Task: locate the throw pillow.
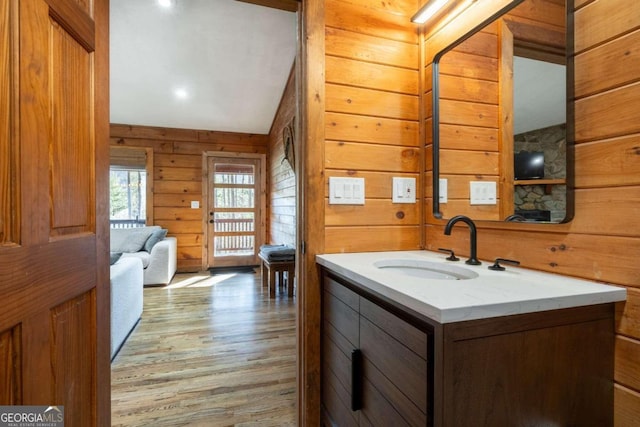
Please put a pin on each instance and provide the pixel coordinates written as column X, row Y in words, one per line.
column 155, row 237
column 114, row 257
column 135, row 240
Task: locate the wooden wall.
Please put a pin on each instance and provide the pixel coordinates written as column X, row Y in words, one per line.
column 361, row 109
column 281, row 221
column 177, row 177
column 602, row 242
column 371, row 121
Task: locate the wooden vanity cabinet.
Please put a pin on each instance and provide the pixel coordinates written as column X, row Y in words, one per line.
column 546, row 368
column 394, row 364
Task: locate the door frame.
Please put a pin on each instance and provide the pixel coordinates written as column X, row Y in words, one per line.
column 262, row 193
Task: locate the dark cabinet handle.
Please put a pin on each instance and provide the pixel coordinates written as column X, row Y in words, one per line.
column 210, row 221
column 356, row 380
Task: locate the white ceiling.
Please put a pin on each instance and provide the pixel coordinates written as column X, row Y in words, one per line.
column 231, row 58
column 539, row 94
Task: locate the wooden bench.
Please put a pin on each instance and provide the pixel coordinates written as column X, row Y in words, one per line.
column 269, row 270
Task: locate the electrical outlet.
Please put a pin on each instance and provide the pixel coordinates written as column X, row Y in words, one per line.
column 404, row 190
column 442, row 194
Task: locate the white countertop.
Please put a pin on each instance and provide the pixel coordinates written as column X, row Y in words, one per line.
column 491, row 294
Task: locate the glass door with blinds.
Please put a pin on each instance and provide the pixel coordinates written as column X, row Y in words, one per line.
column 234, row 222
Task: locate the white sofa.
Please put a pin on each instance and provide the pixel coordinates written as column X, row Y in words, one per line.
column 159, row 260
column 126, row 299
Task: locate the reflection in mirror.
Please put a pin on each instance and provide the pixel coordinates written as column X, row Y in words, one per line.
column 539, row 127
column 499, row 106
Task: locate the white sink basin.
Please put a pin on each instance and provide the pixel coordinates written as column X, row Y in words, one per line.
column 426, row 269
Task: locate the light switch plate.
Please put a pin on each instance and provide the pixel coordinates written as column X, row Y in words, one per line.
column 442, row 195
column 482, row 193
column 404, row 190
column 195, row 204
column 346, row 191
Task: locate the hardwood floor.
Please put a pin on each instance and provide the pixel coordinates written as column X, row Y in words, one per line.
column 209, row 351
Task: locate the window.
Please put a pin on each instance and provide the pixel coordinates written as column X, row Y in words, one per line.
column 127, row 201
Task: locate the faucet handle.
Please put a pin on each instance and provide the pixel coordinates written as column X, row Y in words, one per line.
column 497, row 267
column 452, row 256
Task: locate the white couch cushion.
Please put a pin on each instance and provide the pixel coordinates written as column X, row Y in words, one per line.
column 145, row 257
column 126, row 279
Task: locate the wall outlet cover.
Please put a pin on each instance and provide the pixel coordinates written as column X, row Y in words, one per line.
column 443, row 194
column 404, row 190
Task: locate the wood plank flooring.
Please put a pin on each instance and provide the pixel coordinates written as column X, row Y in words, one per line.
column 209, row 351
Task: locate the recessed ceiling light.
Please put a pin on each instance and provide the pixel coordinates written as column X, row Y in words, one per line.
column 181, row 93
column 166, row 3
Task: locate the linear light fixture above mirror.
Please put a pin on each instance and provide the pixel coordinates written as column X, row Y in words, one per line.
column 429, row 9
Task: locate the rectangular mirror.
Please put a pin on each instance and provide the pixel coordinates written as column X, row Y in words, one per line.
column 500, row 101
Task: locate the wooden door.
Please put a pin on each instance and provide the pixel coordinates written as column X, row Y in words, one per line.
column 54, row 274
column 235, row 211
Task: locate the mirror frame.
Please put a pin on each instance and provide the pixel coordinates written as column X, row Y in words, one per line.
column 570, row 137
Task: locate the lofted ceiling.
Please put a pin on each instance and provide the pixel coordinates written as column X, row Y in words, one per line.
column 199, row 64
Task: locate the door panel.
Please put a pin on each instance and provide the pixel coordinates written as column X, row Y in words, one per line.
column 54, row 325
column 235, row 200
column 70, row 340
column 70, row 168
column 8, row 40
column 10, row 368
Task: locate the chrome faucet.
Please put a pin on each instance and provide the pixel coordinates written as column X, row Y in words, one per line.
column 473, row 260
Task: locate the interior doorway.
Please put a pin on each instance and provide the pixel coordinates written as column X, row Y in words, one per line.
column 235, row 208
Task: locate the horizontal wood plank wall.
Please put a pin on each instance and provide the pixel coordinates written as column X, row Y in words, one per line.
column 282, row 181
column 177, row 177
column 371, row 121
column 602, row 243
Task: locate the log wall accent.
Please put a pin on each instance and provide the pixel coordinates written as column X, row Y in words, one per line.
column 281, row 221
column 177, row 177
column 603, row 240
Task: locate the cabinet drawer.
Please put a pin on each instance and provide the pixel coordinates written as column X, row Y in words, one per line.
column 410, row 336
column 405, row 369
